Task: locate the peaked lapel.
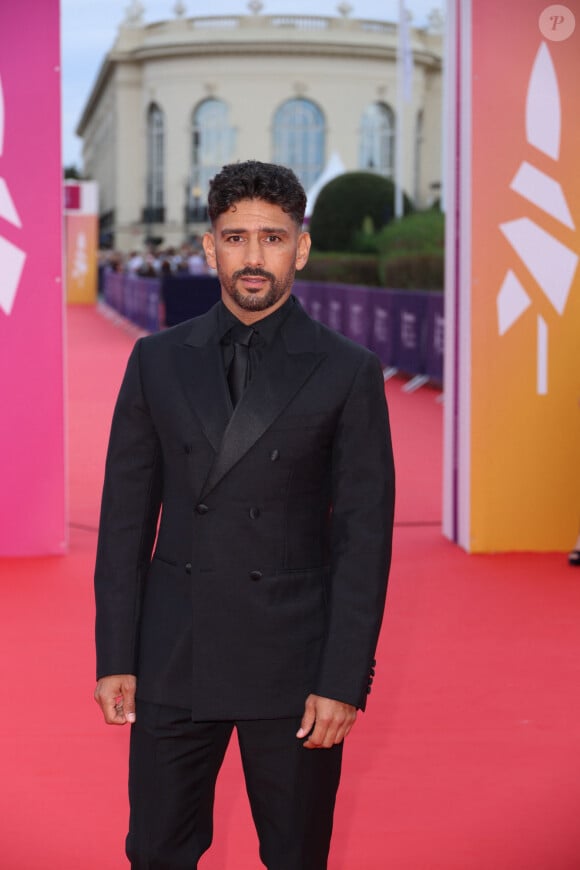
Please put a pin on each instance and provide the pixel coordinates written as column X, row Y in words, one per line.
column 201, row 371
column 286, row 366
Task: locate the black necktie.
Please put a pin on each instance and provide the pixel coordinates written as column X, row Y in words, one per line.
column 239, row 371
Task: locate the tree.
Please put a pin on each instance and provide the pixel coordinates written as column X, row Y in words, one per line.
column 71, row 172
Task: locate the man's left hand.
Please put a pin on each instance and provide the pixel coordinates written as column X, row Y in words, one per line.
column 328, row 720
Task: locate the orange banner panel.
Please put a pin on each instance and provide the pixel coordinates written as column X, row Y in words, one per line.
column 81, row 258
column 525, row 294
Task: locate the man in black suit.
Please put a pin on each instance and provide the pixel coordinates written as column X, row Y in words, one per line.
column 244, row 545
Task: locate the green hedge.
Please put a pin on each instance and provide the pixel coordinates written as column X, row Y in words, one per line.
column 341, row 268
column 413, row 271
column 350, row 208
column 422, row 232
column 412, row 252
column 408, row 253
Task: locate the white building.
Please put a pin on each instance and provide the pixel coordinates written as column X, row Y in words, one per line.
column 175, row 100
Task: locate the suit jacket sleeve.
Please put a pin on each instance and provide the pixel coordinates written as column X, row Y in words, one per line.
column 363, row 490
column 129, row 513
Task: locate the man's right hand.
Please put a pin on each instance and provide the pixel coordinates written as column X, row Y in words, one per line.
column 115, row 695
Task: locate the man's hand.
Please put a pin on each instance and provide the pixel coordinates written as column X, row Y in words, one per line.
column 115, row 695
column 332, row 721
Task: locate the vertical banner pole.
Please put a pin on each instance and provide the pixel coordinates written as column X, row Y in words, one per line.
column 404, row 84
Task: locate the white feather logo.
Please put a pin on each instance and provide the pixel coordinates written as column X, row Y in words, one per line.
column 550, row 262
column 12, row 259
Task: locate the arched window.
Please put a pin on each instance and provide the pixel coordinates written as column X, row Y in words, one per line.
column 212, row 146
column 155, row 164
column 377, row 139
column 418, row 155
column 299, row 139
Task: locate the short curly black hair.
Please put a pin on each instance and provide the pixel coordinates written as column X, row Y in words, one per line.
column 254, row 180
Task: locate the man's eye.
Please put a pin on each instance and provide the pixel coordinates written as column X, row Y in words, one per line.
column 272, row 238
column 233, row 239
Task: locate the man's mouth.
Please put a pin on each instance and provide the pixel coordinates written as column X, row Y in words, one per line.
column 253, row 281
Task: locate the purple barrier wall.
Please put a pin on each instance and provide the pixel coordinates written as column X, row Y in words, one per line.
column 142, row 302
column 384, row 328
column 113, row 290
column 134, row 297
column 411, row 319
column 405, row 328
column 357, row 314
column 312, row 296
column 435, row 337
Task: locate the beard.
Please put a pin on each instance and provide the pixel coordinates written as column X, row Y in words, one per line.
column 256, row 300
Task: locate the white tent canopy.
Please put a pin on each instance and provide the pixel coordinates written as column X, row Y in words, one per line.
column 334, row 167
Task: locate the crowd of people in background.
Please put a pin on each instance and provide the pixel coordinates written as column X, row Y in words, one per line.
column 188, row 259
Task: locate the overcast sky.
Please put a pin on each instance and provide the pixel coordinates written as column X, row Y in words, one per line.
column 89, row 27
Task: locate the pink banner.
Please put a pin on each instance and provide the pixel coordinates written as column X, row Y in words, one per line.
column 32, row 458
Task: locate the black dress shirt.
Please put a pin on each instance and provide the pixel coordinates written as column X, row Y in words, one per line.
column 264, row 333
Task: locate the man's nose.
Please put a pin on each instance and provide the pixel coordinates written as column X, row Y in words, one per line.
column 254, row 253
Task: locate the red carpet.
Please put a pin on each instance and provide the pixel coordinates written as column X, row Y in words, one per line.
column 467, row 759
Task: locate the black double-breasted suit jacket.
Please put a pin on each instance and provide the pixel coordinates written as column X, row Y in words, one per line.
column 243, row 556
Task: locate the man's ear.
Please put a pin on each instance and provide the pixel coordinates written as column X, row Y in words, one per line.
column 302, row 250
column 208, row 243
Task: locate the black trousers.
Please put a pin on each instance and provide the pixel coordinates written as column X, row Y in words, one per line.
column 173, row 768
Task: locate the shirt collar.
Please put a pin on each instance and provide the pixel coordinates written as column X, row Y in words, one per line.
column 267, row 327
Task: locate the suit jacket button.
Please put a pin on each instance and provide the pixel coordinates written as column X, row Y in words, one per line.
column 255, row 575
column 188, row 568
column 368, row 690
column 201, row 509
column 254, row 513
column 275, row 455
